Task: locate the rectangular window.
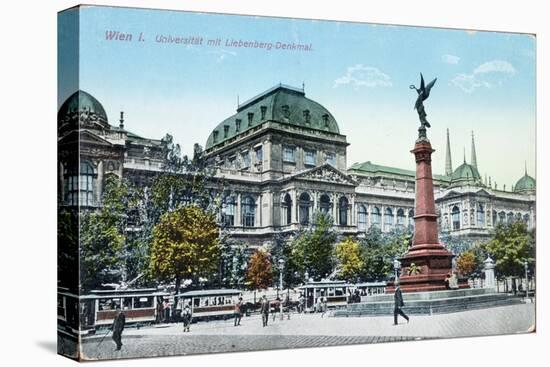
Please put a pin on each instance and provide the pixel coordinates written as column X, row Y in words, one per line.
column 289, row 154
column 259, row 155
column 330, row 158
column 309, row 158
column 246, row 159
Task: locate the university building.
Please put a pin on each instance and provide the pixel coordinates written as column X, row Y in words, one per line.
column 283, row 158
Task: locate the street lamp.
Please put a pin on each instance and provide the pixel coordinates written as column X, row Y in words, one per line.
column 281, row 267
column 526, row 265
column 396, row 266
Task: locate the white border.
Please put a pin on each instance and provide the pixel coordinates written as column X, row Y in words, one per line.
column 28, row 185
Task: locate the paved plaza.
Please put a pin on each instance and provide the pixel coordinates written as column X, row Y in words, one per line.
column 307, row 330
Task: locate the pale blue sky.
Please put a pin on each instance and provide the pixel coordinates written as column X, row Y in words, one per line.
column 360, row 72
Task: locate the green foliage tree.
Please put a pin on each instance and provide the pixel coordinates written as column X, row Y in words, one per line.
column 312, row 250
column 185, row 245
column 259, row 274
column 233, row 264
column 379, row 249
column 67, row 248
column 510, row 247
column 348, row 253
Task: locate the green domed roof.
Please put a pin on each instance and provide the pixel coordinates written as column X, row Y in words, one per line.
column 526, row 183
column 466, row 173
column 80, row 102
column 281, row 103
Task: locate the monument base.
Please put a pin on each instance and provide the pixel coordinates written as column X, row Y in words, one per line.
column 425, row 268
column 429, row 303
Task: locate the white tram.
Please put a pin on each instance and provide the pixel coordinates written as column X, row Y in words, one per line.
column 335, row 293
column 209, row 304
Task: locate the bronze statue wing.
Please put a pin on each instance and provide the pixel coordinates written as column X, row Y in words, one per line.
column 421, row 82
column 429, row 87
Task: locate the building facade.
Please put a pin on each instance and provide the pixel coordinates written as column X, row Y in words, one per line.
column 283, row 158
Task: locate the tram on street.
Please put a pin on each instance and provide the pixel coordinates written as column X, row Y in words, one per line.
column 99, row 308
column 335, row 293
column 209, row 304
column 371, row 288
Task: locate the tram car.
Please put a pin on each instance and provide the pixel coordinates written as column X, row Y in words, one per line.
column 209, row 304
column 335, row 293
column 98, row 309
column 371, row 288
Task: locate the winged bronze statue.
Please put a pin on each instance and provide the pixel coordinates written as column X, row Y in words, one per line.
column 423, row 94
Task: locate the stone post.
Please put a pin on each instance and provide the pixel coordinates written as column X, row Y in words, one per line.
column 489, row 270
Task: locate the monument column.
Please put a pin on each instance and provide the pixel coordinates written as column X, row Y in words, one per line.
column 426, row 263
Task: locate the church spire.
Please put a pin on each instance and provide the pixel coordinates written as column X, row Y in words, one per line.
column 474, row 157
column 448, row 159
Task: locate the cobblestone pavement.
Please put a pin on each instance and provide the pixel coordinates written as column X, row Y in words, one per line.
column 308, row 330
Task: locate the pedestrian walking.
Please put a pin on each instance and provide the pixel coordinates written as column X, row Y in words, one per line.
column 324, row 306
column 264, row 310
column 398, row 303
column 238, row 312
column 118, row 327
column 186, row 317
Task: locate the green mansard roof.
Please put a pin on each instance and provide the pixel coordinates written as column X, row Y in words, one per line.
column 371, row 168
column 281, row 103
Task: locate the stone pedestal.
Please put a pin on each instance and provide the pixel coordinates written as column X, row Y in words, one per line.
column 426, row 263
column 489, row 270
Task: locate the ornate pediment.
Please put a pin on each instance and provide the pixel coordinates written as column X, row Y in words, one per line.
column 326, row 173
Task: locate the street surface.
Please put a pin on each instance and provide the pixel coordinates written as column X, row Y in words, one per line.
column 307, row 330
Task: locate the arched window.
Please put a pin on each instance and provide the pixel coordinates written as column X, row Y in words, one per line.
column 411, row 220
column 376, row 216
column 501, row 217
column 480, row 217
column 248, row 207
column 510, row 218
column 455, row 215
column 526, row 219
column 518, row 217
column 495, row 217
column 80, row 186
column 228, row 211
column 362, row 218
column 325, row 203
column 305, row 204
column 287, row 209
column 400, row 217
column 343, row 211
column 388, row 219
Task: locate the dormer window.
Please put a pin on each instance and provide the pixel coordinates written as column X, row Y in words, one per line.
column 286, row 111
column 215, row 136
column 237, row 125
column 307, row 117
column 225, row 131
column 250, row 117
column 263, row 110
column 325, row 119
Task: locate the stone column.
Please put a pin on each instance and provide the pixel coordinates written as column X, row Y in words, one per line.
column 489, row 270
column 431, row 260
column 99, row 182
column 238, row 214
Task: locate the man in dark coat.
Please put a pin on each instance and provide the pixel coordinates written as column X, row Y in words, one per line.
column 118, row 327
column 398, row 303
column 238, row 312
column 264, row 310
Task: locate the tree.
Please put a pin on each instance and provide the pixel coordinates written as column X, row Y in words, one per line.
column 258, row 274
column 312, row 250
column 233, row 262
column 510, row 247
column 467, row 263
column 348, row 253
column 103, row 253
column 379, row 249
column 185, row 245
